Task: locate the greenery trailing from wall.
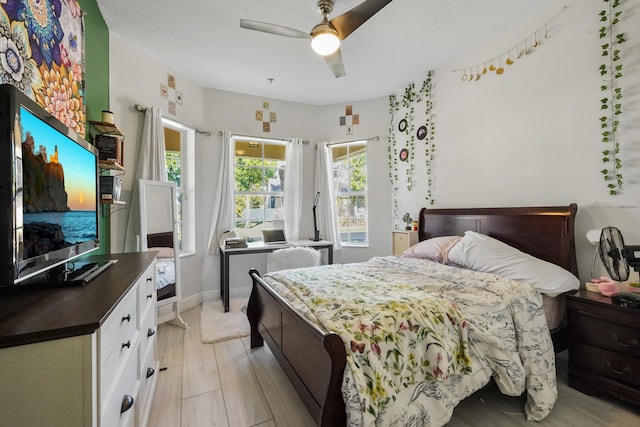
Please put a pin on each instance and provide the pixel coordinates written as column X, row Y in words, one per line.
column 393, row 154
column 409, row 98
column 611, row 104
column 429, row 151
column 405, row 136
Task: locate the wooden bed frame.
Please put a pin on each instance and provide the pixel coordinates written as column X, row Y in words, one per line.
column 314, row 361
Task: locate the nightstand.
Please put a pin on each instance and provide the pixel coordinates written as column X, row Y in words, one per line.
column 401, row 240
column 604, row 347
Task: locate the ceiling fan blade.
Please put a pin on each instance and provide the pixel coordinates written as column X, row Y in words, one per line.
column 335, row 63
column 349, row 21
column 273, row 29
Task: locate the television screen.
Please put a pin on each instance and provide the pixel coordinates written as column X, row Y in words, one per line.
column 59, row 189
column 49, row 196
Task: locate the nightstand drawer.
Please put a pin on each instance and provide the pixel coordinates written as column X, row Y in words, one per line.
column 611, row 336
column 625, row 369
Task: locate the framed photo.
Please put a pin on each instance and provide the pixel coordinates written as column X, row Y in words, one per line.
column 402, row 126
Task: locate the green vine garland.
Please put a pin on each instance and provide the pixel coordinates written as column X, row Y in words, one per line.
column 429, row 151
column 393, row 154
column 611, row 104
column 410, row 98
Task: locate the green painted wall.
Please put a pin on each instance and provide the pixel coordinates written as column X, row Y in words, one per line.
column 96, row 38
column 97, row 60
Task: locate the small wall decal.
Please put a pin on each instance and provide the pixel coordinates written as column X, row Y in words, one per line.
column 266, row 117
column 349, row 119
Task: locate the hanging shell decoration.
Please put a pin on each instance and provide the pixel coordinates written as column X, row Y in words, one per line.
column 524, row 48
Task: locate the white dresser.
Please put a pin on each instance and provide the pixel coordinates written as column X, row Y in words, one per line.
column 95, row 365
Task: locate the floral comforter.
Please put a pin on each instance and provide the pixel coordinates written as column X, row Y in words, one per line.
column 422, row 336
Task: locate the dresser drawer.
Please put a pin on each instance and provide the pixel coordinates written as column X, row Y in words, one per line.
column 127, row 386
column 147, row 291
column 611, row 336
column 148, row 331
column 112, row 368
column 622, row 368
column 123, row 318
column 147, row 376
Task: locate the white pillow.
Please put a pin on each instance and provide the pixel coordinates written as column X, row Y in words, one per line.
column 479, row 252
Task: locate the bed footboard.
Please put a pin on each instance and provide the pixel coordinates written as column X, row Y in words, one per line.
column 313, row 360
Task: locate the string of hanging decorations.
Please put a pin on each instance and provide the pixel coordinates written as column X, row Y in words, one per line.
column 500, row 63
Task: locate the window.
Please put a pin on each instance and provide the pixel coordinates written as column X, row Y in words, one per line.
column 259, row 170
column 179, row 142
column 350, row 179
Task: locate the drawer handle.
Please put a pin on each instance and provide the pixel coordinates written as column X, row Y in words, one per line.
column 127, row 318
column 632, row 343
column 149, row 279
column 150, row 333
column 150, row 372
column 127, row 403
column 625, row 370
column 149, row 296
column 126, row 344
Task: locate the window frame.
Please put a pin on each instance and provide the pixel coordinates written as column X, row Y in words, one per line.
column 185, row 193
column 263, row 192
column 349, row 193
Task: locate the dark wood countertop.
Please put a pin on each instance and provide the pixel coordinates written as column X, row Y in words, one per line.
column 29, row 316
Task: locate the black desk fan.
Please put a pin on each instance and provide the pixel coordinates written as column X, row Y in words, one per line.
column 617, row 258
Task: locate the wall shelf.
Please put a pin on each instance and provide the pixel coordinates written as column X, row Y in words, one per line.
column 106, row 128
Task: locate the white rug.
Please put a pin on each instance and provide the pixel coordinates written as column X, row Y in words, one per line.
column 216, row 325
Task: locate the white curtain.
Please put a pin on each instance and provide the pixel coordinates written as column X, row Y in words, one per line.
column 292, row 192
column 222, row 217
column 151, row 165
column 326, row 212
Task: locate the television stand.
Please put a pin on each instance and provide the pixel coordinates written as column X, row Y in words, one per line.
column 71, row 273
column 86, row 271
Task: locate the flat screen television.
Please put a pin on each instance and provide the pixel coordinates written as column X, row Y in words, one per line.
column 49, row 200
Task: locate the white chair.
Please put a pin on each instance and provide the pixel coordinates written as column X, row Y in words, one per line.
column 296, row 257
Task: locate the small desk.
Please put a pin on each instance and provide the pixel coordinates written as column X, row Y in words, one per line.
column 261, row 247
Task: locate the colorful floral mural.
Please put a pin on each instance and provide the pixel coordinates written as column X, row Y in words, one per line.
column 42, row 54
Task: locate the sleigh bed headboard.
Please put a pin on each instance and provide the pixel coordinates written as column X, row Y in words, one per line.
column 544, row 232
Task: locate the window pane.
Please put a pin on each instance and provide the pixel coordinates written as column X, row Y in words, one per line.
column 360, row 206
column 350, row 180
column 259, row 173
column 248, row 178
column 274, row 183
column 173, row 161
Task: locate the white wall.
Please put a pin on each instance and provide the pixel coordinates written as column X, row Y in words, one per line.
column 528, row 137
column 532, row 136
column 135, row 78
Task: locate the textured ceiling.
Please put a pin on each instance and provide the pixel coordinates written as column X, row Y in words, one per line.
column 202, row 39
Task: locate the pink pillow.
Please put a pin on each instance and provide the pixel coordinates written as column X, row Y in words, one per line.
column 435, row 249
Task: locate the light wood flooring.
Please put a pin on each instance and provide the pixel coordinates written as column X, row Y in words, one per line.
column 228, row 384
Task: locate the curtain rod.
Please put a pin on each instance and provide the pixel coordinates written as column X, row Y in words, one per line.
column 220, row 133
column 375, row 138
column 143, row 109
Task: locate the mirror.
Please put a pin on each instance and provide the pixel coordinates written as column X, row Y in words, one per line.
column 158, row 229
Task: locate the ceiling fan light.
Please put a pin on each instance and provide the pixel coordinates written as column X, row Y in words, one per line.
column 324, row 39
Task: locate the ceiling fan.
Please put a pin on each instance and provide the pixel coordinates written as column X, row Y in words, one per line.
column 325, row 37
